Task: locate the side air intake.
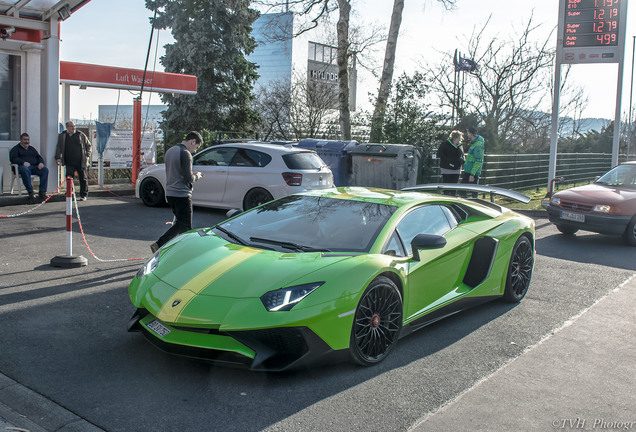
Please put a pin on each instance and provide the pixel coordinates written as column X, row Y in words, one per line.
column 481, row 261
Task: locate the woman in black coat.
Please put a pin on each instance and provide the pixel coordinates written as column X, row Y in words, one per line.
column 451, row 157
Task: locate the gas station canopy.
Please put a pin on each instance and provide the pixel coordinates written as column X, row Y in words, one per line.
column 89, row 75
column 34, row 14
column 30, row 39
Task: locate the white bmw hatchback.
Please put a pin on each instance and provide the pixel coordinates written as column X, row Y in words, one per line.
column 242, row 175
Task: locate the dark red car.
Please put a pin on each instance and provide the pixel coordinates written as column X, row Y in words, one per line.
column 607, row 206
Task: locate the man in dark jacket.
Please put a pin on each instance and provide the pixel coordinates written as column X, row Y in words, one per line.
column 73, row 150
column 451, row 157
column 29, row 163
column 179, row 184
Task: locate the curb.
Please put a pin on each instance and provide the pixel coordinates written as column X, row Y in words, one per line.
column 114, row 190
column 43, row 415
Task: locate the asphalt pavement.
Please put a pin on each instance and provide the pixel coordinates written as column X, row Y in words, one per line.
column 580, row 376
column 22, row 409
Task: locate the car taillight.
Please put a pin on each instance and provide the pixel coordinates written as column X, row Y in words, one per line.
column 293, row 179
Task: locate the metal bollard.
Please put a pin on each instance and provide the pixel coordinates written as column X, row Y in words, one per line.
column 68, row 260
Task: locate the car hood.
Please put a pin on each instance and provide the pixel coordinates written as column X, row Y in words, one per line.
column 152, row 169
column 205, row 264
column 597, row 194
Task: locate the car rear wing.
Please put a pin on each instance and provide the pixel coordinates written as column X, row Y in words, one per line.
column 465, row 187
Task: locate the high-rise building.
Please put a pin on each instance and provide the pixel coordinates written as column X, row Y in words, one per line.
column 282, row 57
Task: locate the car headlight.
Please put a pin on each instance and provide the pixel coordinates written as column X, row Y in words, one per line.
column 555, row 201
column 284, row 299
column 602, row 208
column 149, row 267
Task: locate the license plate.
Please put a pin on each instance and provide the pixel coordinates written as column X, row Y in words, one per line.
column 158, row 328
column 576, row 217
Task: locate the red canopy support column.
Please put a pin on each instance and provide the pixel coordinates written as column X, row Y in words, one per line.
column 136, row 162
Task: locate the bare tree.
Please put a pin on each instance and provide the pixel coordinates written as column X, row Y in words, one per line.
column 311, row 105
column 572, row 103
column 530, row 131
column 294, row 109
column 387, row 72
column 510, row 75
column 388, row 67
column 512, row 78
column 344, row 7
column 316, row 12
column 273, row 103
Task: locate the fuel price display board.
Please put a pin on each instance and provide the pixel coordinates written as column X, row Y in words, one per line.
column 592, row 31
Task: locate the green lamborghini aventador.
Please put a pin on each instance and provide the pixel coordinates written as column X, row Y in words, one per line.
column 323, row 273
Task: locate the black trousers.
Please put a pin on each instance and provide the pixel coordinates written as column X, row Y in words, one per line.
column 450, row 178
column 182, row 209
column 82, row 177
column 466, row 179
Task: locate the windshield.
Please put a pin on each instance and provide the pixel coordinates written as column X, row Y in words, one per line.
column 308, row 223
column 622, row 175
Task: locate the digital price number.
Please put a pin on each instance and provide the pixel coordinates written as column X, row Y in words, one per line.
column 591, row 23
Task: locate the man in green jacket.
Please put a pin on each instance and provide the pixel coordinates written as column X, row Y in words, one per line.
column 474, row 157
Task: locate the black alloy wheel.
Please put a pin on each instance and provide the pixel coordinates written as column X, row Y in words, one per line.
column 256, row 197
column 377, row 322
column 519, row 271
column 151, row 192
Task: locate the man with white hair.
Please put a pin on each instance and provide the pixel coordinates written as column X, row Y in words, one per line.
column 73, row 150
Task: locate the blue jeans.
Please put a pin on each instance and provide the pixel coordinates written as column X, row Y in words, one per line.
column 27, row 172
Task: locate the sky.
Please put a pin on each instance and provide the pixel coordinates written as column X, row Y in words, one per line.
column 117, row 32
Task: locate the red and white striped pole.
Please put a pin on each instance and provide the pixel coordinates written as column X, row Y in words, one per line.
column 68, row 260
column 69, row 216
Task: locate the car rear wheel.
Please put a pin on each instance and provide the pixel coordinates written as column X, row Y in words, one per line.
column 256, row 197
column 630, row 232
column 567, row 230
column 151, row 192
column 377, row 322
column 519, row 271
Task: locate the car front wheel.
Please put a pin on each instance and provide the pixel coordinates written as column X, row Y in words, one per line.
column 567, row 230
column 519, row 271
column 377, row 322
column 151, row 192
column 256, row 197
column 630, row 232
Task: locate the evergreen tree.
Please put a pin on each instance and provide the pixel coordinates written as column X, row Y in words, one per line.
column 408, row 118
column 212, row 39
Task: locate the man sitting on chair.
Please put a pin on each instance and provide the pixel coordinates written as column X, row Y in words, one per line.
column 29, row 163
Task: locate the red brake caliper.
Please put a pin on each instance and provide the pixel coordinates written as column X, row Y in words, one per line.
column 375, row 321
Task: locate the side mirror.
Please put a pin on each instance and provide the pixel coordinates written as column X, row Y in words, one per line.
column 232, row 212
column 426, row 241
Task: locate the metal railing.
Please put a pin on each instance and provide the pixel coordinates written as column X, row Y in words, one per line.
column 527, row 171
